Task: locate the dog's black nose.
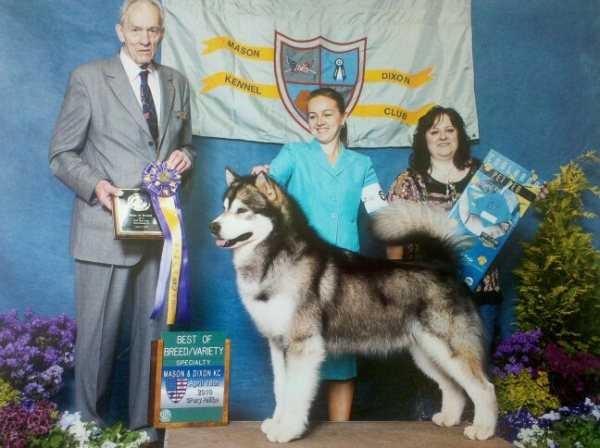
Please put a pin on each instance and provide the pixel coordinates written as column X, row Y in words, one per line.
column 214, row 227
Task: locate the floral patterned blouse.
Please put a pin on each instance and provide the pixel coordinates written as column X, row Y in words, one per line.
column 413, row 186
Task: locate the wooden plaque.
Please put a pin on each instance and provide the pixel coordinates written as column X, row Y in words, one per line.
column 134, row 216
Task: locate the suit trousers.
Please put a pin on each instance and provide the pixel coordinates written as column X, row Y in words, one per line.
column 103, row 294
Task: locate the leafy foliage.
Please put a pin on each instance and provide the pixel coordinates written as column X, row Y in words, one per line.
column 8, row 394
column 575, row 431
column 516, row 392
column 559, row 277
column 71, row 432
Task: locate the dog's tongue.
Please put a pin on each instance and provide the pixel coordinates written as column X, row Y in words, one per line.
column 221, row 243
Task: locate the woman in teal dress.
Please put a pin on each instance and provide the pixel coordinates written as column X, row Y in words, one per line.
column 329, row 182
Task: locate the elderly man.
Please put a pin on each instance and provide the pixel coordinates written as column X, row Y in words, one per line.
column 118, row 115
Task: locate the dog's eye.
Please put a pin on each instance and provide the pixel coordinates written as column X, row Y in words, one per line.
column 241, row 210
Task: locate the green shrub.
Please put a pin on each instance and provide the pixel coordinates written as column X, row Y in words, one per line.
column 576, row 431
column 559, row 276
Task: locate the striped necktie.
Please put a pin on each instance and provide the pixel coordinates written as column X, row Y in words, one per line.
column 148, row 105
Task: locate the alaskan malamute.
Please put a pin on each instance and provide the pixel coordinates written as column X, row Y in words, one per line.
column 308, row 297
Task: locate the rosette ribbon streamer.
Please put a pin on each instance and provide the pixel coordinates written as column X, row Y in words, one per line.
column 173, row 283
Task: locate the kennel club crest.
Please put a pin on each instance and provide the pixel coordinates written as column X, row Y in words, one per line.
column 302, row 66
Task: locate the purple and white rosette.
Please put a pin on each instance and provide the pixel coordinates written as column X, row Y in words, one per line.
column 173, row 283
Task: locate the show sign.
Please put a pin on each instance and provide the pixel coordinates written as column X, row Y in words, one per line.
column 487, row 212
column 190, row 380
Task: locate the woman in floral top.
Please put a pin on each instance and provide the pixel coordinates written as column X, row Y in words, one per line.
column 440, row 168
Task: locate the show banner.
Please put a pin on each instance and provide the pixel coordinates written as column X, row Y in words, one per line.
column 252, row 65
column 487, row 212
column 190, row 380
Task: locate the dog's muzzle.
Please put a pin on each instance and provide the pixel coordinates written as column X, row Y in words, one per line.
column 215, row 229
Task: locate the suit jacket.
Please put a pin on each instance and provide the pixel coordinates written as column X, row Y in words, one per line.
column 101, row 134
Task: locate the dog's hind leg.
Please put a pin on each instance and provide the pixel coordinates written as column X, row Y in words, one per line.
column 464, row 365
column 453, row 397
column 302, row 362
column 278, row 364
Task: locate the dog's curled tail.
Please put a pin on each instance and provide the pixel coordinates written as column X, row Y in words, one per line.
column 429, row 227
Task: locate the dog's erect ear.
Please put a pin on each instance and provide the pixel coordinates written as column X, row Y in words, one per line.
column 264, row 185
column 230, row 176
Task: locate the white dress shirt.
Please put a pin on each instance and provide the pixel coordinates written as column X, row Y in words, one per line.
column 133, row 74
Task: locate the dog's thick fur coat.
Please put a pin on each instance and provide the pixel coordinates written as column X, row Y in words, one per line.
column 308, row 297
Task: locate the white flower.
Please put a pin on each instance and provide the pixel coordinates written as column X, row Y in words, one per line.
column 551, row 443
column 81, row 434
column 73, row 425
column 594, row 408
column 109, row 444
column 552, row 415
column 578, row 445
column 143, row 437
column 68, row 419
column 529, row 436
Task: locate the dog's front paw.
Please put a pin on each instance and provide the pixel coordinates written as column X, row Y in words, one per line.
column 442, row 419
column 268, row 425
column 284, row 431
column 480, row 432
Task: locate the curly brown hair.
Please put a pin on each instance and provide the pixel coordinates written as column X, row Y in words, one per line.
column 420, row 159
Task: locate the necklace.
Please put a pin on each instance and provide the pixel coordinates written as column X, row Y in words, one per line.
column 448, row 177
column 451, row 192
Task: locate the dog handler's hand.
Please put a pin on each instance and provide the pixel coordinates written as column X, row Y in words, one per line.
column 260, row 169
column 543, row 192
column 179, row 161
column 104, row 192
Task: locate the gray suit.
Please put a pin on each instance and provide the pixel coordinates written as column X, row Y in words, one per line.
column 102, row 134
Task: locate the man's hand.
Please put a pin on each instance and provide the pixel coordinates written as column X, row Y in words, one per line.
column 179, row 161
column 104, row 193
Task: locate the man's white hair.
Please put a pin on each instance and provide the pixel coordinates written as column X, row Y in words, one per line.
column 128, row 3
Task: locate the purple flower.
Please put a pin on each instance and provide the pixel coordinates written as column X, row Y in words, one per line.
column 520, row 419
column 33, row 389
column 35, row 351
column 572, row 377
column 20, row 421
column 15, row 439
column 41, row 418
column 522, row 351
column 12, row 418
column 10, row 362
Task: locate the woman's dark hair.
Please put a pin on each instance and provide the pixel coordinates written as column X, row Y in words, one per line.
column 339, row 101
column 420, row 159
